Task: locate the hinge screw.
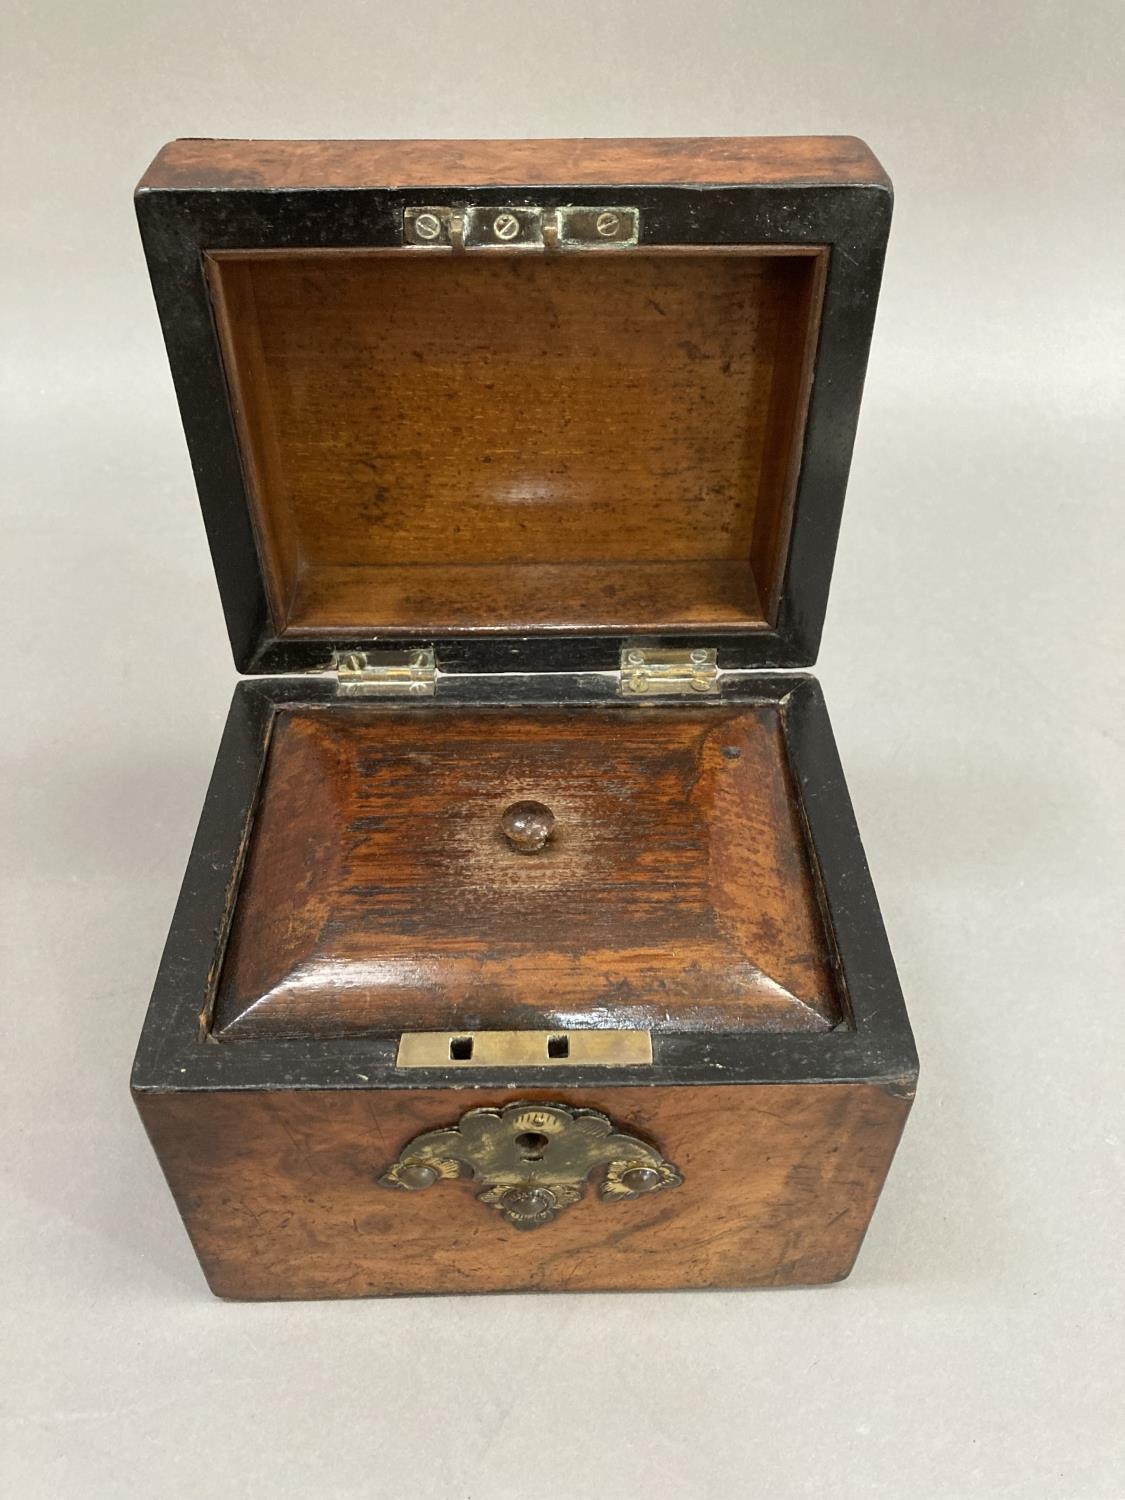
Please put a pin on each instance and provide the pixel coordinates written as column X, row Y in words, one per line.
column 635, row 658
column 607, row 225
column 505, row 226
column 427, row 226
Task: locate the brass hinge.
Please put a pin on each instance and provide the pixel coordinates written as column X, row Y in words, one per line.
column 379, row 674
column 648, row 672
column 645, row 672
column 520, row 226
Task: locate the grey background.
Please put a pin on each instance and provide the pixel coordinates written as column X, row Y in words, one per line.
column 972, row 666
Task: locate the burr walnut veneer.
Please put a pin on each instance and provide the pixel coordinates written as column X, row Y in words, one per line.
column 527, row 940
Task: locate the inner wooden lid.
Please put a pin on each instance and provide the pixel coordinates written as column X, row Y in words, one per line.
column 438, row 444
column 381, row 893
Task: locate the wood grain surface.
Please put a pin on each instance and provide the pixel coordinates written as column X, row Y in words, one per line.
column 218, row 164
column 380, row 893
column 480, row 599
column 277, row 1191
column 444, row 443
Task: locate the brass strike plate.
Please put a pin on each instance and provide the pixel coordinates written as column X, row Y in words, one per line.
column 523, row 1049
column 521, row 226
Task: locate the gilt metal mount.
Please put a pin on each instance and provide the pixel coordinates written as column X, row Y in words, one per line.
column 533, row 1160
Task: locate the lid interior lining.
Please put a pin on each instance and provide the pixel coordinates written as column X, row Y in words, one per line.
column 438, row 444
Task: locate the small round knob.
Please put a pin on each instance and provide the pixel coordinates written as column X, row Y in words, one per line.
column 528, row 1203
column 414, row 1175
column 641, row 1179
column 527, row 826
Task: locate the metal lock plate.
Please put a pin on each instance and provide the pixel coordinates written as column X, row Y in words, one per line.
column 521, row 226
column 533, row 1160
column 534, row 1049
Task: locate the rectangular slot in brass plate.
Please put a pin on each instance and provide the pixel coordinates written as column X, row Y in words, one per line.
column 516, row 1049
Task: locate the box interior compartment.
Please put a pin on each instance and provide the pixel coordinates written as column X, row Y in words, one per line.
column 438, row 444
column 380, row 894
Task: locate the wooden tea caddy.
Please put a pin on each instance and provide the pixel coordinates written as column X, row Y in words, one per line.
column 522, row 465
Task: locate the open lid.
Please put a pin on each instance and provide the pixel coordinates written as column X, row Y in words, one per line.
column 524, row 401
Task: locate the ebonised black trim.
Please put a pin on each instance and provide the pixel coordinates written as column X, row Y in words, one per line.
column 179, row 225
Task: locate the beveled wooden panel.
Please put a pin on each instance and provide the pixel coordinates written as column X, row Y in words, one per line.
column 218, row 164
column 277, row 1191
column 380, row 894
column 440, row 443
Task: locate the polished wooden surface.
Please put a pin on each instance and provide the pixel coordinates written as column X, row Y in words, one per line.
column 483, row 598
column 221, row 164
column 277, row 1191
column 380, row 893
column 444, row 443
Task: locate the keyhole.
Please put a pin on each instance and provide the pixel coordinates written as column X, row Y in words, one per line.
column 531, row 1145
